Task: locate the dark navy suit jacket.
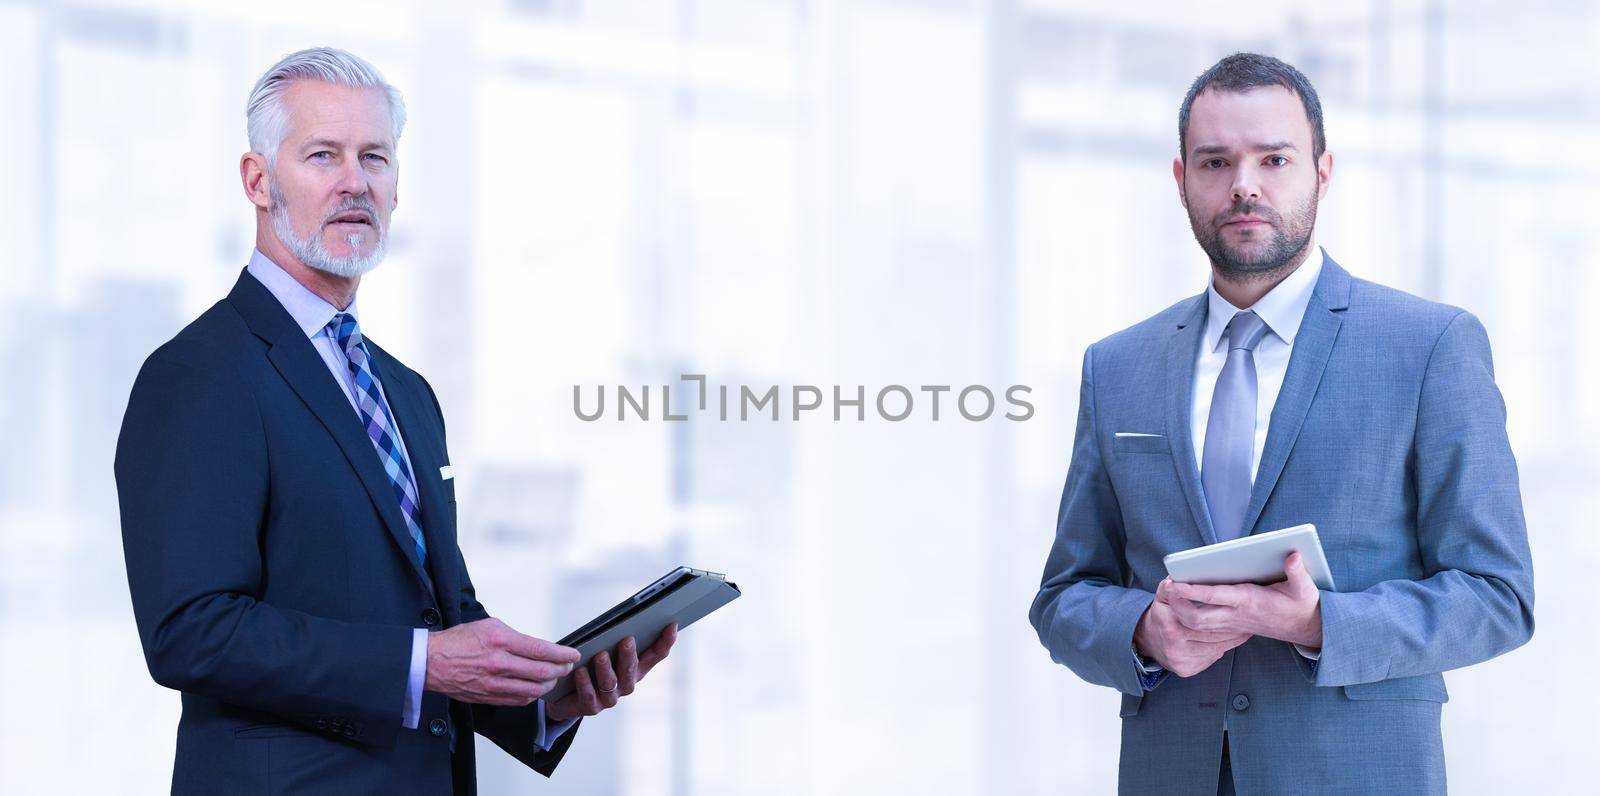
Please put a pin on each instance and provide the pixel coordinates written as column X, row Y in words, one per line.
column 274, row 582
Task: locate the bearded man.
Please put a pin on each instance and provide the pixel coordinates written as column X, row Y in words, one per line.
column 289, row 509
column 1288, row 392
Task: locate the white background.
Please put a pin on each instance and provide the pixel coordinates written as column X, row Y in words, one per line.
column 774, row 192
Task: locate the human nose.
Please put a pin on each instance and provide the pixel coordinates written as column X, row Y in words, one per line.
column 1246, row 184
column 352, row 179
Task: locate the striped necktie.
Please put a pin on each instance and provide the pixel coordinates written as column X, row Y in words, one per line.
column 379, row 423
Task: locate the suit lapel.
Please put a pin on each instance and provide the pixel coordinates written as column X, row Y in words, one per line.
column 1180, row 355
column 306, row 373
column 414, row 415
column 1312, row 346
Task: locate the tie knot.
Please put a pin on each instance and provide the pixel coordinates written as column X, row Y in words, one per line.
column 1245, row 331
column 346, row 331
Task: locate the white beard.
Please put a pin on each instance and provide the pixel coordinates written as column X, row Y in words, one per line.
column 315, row 255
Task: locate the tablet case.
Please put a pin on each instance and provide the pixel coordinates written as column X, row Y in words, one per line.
column 703, row 593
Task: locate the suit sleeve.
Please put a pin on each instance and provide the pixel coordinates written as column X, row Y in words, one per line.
column 192, row 486
column 1476, row 601
column 513, row 729
column 1084, row 613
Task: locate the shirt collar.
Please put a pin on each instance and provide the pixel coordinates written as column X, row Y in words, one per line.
column 1281, row 308
column 308, row 309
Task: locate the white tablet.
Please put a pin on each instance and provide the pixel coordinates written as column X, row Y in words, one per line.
column 1257, row 558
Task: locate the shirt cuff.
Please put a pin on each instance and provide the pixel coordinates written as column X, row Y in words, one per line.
column 1308, row 654
column 548, row 732
column 1149, row 668
column 419, row 670
column 1150, row 675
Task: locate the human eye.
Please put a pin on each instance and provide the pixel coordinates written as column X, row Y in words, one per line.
column 1278, row 160
column 1214, row 163
column 373, row 157
column 321, row 155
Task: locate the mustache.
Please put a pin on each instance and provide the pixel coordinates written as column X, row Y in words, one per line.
column 355, row 204
column 1248, row 209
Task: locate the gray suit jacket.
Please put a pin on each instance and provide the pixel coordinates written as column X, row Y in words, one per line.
column 1389, row 435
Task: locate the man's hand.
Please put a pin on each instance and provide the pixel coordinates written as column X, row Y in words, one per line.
column 609, row 683
column 1179, row 649
column 489, row 663
column 1289, row 610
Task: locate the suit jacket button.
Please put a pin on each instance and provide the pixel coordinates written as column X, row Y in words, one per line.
column 430, row 617
column 1241, row 702
column 437, row 727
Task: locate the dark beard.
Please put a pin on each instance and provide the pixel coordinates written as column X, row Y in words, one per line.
column 1286, row 248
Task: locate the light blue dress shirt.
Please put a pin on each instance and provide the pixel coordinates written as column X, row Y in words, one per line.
column 312, row 314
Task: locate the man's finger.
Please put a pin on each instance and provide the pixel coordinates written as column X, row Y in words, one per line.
column 1210, row 595
column 1211, row 636
column 530, row 690
column 1186, row 612
column 627, row 665
column 1294, row 568
column 518, row 667
column 1164, row 590
column 658, row 651
column 514, row 691
column 605, row 678
column 1188, row 591
column 537, row 649
column 588, row 700
column 1227, row 641
column 564, row 708
column 1200, row 618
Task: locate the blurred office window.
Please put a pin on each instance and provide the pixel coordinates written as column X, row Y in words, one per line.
column 844, row 192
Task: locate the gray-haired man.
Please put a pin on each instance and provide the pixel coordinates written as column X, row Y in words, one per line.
column 288, row 506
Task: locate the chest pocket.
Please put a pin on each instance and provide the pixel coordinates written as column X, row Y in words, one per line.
column 1140, row 444
column 449, row 486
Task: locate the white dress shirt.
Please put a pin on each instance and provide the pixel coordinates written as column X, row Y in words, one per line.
column 1282, row 308
column 312, row 314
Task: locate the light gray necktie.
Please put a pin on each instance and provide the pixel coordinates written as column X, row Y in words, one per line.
column 1231, row 429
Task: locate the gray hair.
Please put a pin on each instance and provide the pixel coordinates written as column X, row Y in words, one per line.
column 267, row 121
